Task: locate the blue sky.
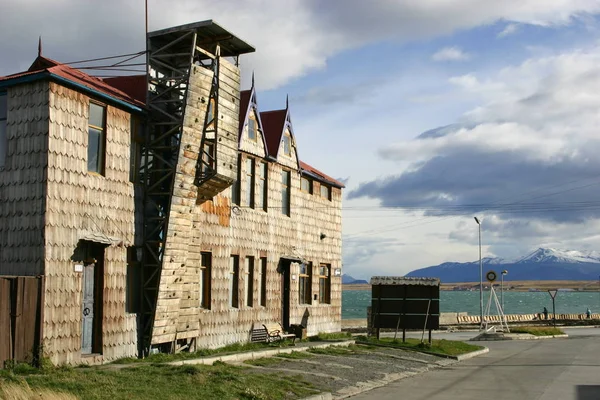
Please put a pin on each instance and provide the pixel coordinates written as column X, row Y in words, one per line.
column 517, row 79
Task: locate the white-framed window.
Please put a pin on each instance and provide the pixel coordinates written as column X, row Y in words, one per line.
column 306, row 185
column 305, row 283
column 263, row 186
column 325, row 191
column 252, row 128
column 287, row 144
column 96, row 138
column 325, row 283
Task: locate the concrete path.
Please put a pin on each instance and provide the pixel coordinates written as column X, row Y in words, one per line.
column 562, row 369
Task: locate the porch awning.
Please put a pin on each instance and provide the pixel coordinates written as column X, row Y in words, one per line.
column 99, row 237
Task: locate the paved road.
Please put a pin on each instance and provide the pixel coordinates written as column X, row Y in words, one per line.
column 556, row 369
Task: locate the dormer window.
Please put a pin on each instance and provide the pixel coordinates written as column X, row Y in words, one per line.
column 287, row 144
column 251, row 129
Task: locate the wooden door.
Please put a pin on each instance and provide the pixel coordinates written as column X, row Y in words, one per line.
column 87, row 328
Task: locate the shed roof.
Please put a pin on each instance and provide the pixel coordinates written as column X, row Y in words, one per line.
column 404, row 280
column 44, row 67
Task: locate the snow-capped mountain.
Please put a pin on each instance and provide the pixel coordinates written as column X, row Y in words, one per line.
column 542, row 264
column 561, row 256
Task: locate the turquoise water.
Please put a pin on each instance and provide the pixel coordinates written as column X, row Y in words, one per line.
column 355, row 302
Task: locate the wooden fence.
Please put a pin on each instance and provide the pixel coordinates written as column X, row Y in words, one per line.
column 20, row 319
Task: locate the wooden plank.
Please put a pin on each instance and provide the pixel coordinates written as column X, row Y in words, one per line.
column 26, row 328
column 5, row 322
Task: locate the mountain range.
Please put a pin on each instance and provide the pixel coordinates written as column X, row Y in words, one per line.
column 542, row 264
column 349, row 279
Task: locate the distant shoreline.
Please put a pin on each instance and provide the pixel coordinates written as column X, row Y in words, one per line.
column 517, row 286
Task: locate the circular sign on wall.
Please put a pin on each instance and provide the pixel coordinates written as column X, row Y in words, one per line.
column 491, row 276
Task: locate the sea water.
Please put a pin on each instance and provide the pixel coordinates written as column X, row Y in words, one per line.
column 355, row 302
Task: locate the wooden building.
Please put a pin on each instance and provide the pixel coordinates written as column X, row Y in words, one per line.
column 173, row 221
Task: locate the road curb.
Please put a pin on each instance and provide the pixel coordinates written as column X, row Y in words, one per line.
column 320, row 396
column 472, row 354
column 523, row 337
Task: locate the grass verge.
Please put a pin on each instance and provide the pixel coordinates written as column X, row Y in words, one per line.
column 231, row 349
column 443, row 347
column 160, row 381
column 336, row 336
column 537, row 330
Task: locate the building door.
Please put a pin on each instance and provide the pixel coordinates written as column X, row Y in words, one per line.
column 87, row 328
column 285, row 298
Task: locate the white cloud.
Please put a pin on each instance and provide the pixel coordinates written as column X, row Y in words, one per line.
column 450, row 54
column 292, row 38
column 508, row 30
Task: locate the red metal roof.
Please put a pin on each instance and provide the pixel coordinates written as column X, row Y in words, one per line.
column 273, row 123
column 133, row 85
column 305, row 167
column 46, row 65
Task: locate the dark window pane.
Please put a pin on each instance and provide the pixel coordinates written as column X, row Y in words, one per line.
column 3, row 143
column 3, row 106
column 95, row 150
column 96, row 115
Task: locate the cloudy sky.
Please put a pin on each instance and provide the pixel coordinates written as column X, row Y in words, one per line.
column 434, row 111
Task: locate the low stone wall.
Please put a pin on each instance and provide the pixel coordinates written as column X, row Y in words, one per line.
column 475, row 319
column 464, row 319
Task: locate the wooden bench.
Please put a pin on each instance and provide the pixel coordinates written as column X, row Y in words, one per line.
column 275, row 333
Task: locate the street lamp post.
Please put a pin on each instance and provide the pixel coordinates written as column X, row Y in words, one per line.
column 480, row 276
column 504, row 272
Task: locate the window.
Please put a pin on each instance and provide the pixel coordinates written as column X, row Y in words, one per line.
column 250, row 182
column 324, row 284
column 252, row 128
column 205, row 279
column 236, row 186
column 210, row 113
column 306, row 185
column 325, row 192
column 287, row 144
column 234, row 278
column 135, row 152
column 262, row 186
column 96, row 138
column 249, row 281
column 263, row 281
column 285, row 192
column 305, row 283
column 3, row 135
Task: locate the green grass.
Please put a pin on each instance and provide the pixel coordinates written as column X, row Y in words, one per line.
column 264, row 361
column 295, row 355
column 444, row 347
column 537, row 330
column 331, row 336
column 335, row 350
column 230, row 349
column 162, row 381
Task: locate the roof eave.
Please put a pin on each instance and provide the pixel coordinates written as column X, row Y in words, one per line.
column 48, row 75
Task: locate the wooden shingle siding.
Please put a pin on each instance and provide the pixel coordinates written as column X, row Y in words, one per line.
column 79, row 203
column 22, row 181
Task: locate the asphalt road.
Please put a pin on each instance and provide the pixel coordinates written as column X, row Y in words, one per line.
column 552, row 369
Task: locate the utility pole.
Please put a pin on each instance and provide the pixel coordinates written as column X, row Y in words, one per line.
column 480, row 277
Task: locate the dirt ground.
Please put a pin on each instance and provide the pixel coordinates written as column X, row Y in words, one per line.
column 347, row 371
